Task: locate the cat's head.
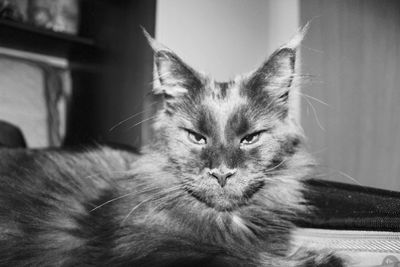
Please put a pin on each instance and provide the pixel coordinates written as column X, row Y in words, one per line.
column 228, row 141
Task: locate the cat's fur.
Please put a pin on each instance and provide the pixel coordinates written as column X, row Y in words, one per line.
column 218, row 187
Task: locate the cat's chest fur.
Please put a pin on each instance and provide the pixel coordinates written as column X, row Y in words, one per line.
column 165, row 219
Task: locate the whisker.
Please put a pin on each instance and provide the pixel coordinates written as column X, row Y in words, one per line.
column 349, row 177
column 146, row 190
column 123, row 196
column 162, row 203
column 134, row 208
column 319, row 151
column 250, row 157
column 276, row 166
column 156, row 78
column 111, row 200
column 343, row 174
column 313, row 49
column 152, row 198
column 132, row 116
column 315, row 114
column 109, row 172
column 313, row 98
column 148, row 119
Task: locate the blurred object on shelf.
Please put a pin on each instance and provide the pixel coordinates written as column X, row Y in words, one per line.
column 57, row 15
column 11, row 135
column 14, row 10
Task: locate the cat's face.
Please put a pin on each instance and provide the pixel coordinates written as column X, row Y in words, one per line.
column 225, row 141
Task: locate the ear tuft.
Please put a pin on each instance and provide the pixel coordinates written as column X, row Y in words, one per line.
column 156, row 46
column 175, row 78
column 296, row 40
column 275, row 76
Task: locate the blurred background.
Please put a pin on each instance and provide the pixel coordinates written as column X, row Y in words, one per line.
column 80, row 72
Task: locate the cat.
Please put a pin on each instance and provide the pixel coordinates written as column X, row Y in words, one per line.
column 219, row 186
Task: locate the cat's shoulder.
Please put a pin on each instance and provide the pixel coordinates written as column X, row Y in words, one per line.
column 48, row 203
column 78, row 170
column 112, row 157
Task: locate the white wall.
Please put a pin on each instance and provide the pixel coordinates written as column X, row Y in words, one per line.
column 225, row 37
column 22, row 100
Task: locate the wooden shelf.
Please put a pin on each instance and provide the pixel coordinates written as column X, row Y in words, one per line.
column 29, row 38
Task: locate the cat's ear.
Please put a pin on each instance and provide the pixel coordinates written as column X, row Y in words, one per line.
column 174, row 76
column 275, row 76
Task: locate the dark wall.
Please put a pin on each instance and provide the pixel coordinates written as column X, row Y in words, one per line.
column 113, row 86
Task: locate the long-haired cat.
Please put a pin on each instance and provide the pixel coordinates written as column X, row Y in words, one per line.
column 219, row 186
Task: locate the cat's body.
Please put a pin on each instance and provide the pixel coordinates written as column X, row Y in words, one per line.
column 219, row 186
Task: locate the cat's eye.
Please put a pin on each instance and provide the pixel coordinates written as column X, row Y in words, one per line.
column 196, row 138
column 250, row 138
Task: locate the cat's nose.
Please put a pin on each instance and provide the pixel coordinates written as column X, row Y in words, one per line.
column 222, row 175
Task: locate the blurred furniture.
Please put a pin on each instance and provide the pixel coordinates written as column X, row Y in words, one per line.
column 359, row 223
column 11, row 135
column 109, row 61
